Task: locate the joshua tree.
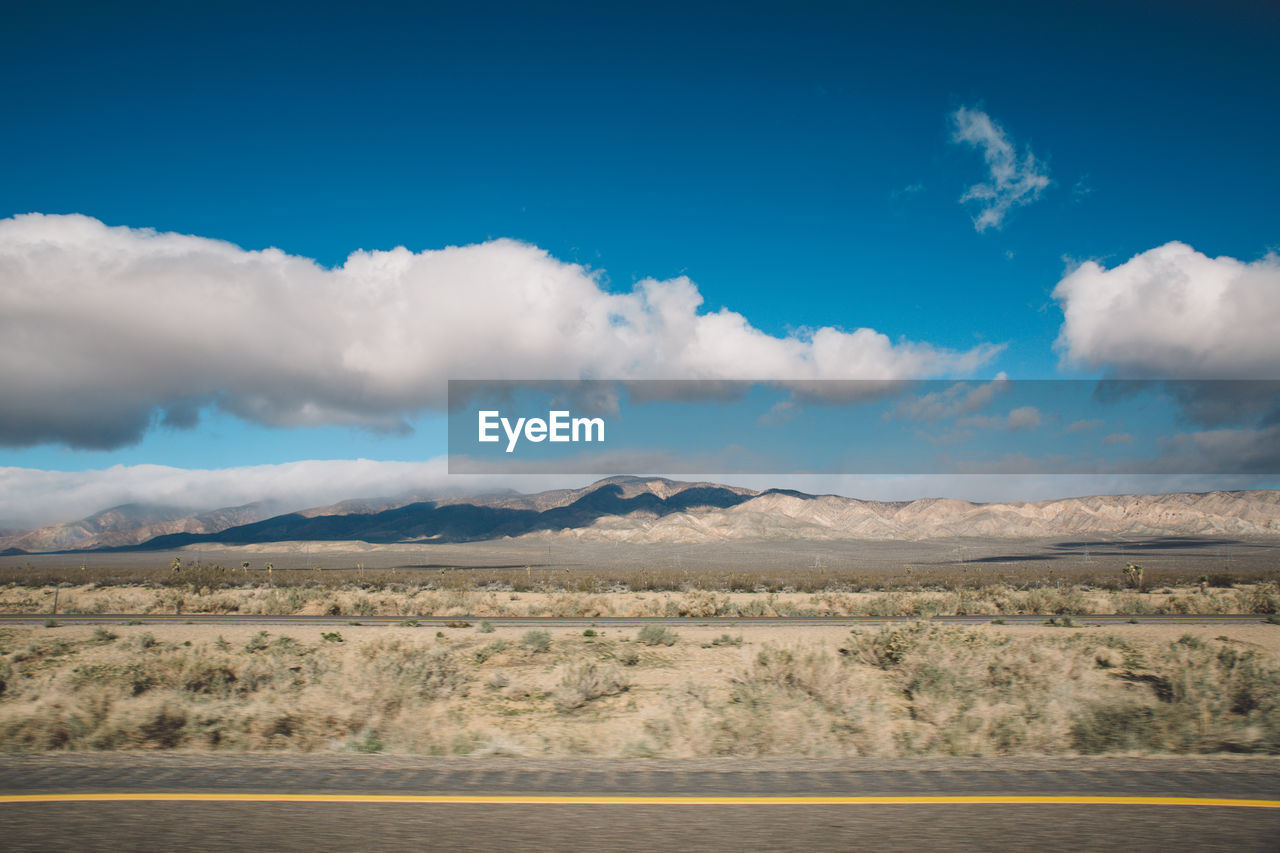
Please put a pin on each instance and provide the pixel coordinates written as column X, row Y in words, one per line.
column 176, row 564
column 1133, row 573
column 244, row 566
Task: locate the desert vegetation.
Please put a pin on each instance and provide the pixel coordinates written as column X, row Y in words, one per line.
column 914, row 688
column 910, row 689
column 412, row 598
column 742, row 573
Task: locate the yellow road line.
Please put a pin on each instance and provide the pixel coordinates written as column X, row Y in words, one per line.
column 612, row 800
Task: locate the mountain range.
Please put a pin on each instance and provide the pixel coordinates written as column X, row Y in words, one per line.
column 657, row 510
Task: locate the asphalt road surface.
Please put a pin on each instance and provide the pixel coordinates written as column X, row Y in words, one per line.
column 375, row 803
column 607, row 621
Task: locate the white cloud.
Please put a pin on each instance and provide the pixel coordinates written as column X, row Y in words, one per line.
column 101, row 328
column 906, row 192
column 1024, row 417
column 1021, row 418
column 1084, row 425
column 1243, row 451
column 1173, row 313
column 959, row 399
column 1013, row 180
column 780, row 412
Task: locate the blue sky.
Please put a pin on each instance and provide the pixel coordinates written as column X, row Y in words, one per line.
column 797, row 162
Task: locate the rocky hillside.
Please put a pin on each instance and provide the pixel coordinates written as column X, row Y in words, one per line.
column 132, row 524
column 777, row 515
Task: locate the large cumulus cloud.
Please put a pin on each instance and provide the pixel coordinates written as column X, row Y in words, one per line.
column 102, row 329
column 1174, row 313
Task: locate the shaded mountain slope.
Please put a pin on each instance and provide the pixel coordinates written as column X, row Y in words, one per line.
column 463, row 522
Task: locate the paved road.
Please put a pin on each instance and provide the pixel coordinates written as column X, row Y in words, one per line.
column 396, row 803
column 606, row 621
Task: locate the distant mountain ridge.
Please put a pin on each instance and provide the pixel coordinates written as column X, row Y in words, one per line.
column 481, row 518
column 785, row 515
column 657, row 510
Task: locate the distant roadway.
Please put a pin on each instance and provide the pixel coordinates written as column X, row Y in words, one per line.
column 365, row 803
column 611, row 621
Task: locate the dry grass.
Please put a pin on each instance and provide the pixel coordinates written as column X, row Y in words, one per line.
column 914, row 689
column 721, row 569
column 406, row 600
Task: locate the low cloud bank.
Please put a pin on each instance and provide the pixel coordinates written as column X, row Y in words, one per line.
column 31, row 497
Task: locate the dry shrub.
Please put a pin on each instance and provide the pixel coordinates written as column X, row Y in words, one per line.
column 971, row 693
column 482, row 654
column 96, row 720
column 800, row 701
column 403, row 671
column 701, row 603
column 1262, row 599
column 536, row 641
column 157, row 723
column 585, row 682
column 1193, row 697
column 656, row 635
column 913, row 689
